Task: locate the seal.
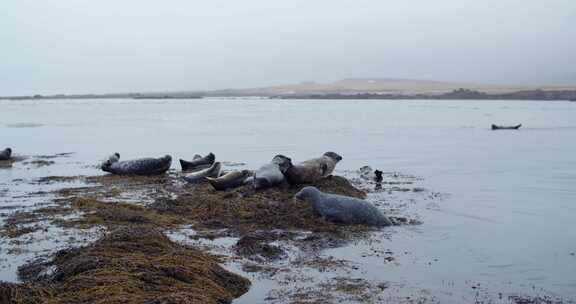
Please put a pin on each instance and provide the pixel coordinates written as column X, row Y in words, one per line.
column 497, row 127
column 378, row 176
column 343, row 209
column 271, row 174
column 200, row 176
column 229, row 180
column 198, row 162
column 368, row 173
column 312, row 170
column 6, row 154
column 142, row 166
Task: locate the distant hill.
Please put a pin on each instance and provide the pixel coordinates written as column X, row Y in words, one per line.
column 378, row 86
column 371, row 87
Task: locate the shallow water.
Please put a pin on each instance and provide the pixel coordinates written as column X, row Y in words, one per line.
column 505, row 223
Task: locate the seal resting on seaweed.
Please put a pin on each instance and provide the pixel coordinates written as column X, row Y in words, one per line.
column 312, row 170
column 229, row 180
column 198, row 163
column 6, row 154
column 142, row 166
column 343, row 209
column 271, row 174
column 199, row 176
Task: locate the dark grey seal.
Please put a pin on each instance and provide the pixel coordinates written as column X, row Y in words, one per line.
column 312, row 170
column 142, row 166
column 200, row 176
column 343, row 209
column 198, row 163
column 229, row 180
column 496, row 127
column 6, row 154
column 271, row 174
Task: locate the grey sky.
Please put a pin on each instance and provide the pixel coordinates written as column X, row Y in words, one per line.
column 77, row 46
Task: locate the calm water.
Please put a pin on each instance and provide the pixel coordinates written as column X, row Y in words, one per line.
column 507, row 222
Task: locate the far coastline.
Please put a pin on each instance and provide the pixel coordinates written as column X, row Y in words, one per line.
column 370, row 89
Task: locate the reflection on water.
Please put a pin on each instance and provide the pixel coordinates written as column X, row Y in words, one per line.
column 507, row 224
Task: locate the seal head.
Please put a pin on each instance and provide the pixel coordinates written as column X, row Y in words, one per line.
column 307, row 193
column 6, row 154
column 283, row 162
column 333, row 155
column 378, row 176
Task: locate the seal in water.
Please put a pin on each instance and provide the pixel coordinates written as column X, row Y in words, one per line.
column 312, row 170
column 271, row 174
column 200, row 176
column 343, row 209
column 229, row 180
column 516, row 127
column 142, row 166
column 6, row 154
column 198, row 163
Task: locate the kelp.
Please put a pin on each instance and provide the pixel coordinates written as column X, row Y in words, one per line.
column 131, row 264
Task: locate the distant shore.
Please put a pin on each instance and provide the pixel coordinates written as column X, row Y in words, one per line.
column 102, row 96
column 458, row 94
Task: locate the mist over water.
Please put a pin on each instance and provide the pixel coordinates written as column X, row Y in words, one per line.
column 53, row 46
column 506, row 222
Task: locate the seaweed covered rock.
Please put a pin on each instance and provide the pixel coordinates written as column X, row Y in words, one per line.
column 257, row 246
column 13, row 293
column 245, row 210
column 135, row 265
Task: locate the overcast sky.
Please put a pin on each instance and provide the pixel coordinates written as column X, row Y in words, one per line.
column 81, row 46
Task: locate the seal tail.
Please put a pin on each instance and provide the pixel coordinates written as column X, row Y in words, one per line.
column 211, row 157
column 183, row 164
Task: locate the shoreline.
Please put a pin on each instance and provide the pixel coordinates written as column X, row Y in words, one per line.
column 457, row 94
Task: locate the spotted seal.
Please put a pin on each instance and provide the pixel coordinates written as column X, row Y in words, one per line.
column 200, row 176
column 6, row 154
column 198, row 163
column 229, row 180
column 343, row 209
column 142, row 166
column 271, row 174
column 312, row 170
